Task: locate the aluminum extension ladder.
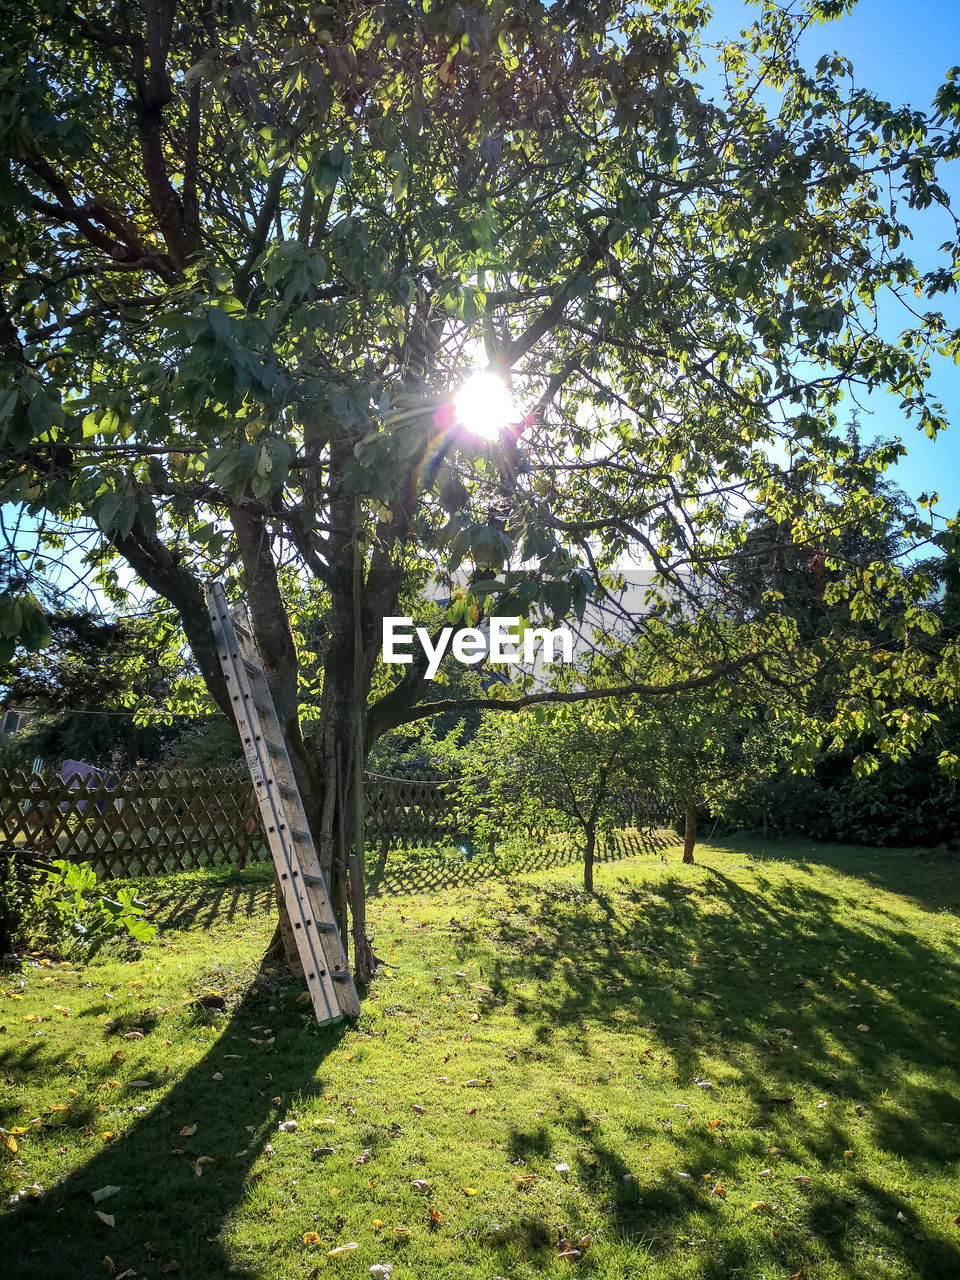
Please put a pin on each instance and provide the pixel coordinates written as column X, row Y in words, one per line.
column 301, row 881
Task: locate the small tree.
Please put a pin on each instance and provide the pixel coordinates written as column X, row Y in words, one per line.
column 707, row 751
column 564, row 763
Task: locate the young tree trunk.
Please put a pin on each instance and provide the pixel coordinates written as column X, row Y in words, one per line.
column 689, row 829
column 588, row 854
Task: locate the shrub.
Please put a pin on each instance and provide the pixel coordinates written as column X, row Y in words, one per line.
column 65, row 909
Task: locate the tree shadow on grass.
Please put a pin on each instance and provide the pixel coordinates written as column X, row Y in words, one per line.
column 781, row 995
column 927, row 877
column 164, row 1211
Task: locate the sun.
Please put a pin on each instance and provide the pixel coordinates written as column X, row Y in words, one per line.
column 484, row 405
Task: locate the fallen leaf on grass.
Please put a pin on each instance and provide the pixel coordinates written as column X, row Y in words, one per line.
column 102, row 1193
column 757, row 1205
column 714, row 1124
column 630, row 1177
column 108, row 1264
column 862, row 1026
column 188, row 1131
column 402, row 1233
column 287, row 1126
column 765, row 1173
column 342, row 1249
column 421, row 1185
column 309, row 1237
column 418, row 1110
column 382, row 1270
column 801, row 1180
column 469, row 1191
column 901, row 1217
column 719, row 1190
column 168, row 1268
column 561, row 1168
column 106, row 1218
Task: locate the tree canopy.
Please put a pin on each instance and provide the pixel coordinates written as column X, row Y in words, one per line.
column 251, row 250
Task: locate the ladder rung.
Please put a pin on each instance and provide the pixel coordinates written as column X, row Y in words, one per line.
column 323, row 926
column 308, row 877
column 290, row 792
column 252, row 668
column 298, row 833
column 269, row 743
column 340, row 975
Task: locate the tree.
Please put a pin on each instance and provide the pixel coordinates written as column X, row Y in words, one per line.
column 251, row 251
column 568, row 763
column 706, row 750
column 98, row 692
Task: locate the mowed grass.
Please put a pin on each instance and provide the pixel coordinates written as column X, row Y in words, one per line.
column 529, row 1079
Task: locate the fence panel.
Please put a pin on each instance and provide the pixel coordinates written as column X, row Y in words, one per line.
column 133, row 823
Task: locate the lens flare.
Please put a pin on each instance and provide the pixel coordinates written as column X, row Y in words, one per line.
column 484, row 405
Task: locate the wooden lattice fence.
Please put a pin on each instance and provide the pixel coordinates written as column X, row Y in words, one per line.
column 144, row 822
column 418, row 808
column 133, row 823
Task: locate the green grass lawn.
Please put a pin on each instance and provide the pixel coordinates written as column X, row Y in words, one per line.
column 529, row 1079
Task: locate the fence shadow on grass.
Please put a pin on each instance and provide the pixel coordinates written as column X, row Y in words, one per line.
column 431, row 870
column 216, row 904
column 163, row 1211
column 760, row 990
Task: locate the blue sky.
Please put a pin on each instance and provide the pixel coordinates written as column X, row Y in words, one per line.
column 901, row 50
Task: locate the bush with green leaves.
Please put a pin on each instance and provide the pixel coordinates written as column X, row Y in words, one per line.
column 66, row 910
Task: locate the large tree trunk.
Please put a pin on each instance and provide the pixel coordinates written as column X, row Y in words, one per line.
column 339, row 748
column 589, row 850
column 689, row 829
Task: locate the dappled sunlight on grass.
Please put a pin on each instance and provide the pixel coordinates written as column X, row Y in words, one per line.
column 741, row 1067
